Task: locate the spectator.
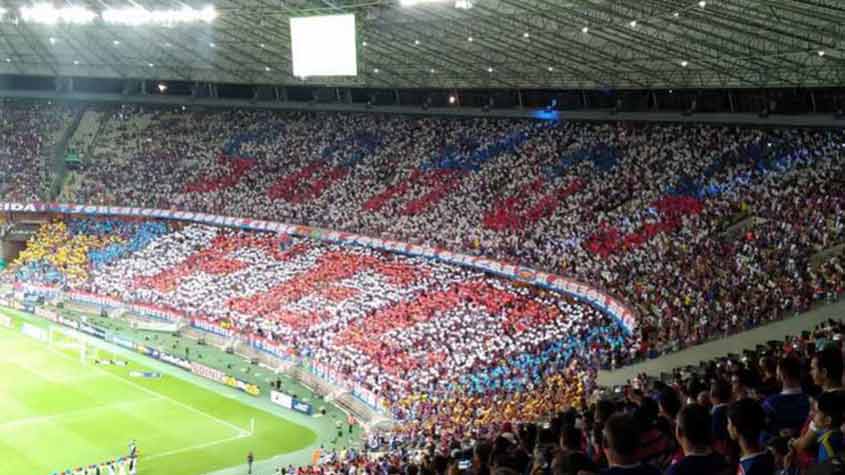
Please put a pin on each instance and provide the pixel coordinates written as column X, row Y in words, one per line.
column 826, row 368
column 694, row 436
column 825, row 433
column 572, row 459
column 720, row 396
column 746, row 422
column 621, row 435
column 787, row 411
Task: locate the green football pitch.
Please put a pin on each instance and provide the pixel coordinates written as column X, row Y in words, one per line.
column 58, row 411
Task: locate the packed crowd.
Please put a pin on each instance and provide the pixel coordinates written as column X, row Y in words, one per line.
column 706, row 230
column 27, row 133
column 774, row 410
column 379, row 321
column 691, row 225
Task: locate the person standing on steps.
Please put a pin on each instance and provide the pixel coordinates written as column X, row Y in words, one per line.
column 249, row 460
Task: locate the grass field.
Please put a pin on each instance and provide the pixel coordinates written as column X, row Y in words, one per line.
column 58, row 412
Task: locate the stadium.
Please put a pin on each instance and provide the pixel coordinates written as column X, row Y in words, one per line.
column 422, row 237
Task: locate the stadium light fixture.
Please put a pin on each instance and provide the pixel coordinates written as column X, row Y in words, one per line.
column 551, row 69
column 526, row 35
column 585, row 30
column 490, row 70
column 684, row 63
column 136, row 16
column 267, row 69
column 676, row 14
column 821, row 53
column 376, row 70
column 633, row 23
column 47, row 14
column 702, row 4
column 452, row 99
column 470, row 39
column 162, row 87
column 464, row 4
column 416, row 42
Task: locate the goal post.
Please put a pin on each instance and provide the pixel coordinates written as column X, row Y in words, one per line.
column 70, row 341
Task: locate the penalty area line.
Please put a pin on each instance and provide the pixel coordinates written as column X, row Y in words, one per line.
column 194, row 447
column 241, row 432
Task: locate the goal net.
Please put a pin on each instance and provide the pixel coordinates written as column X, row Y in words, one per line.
column 71, row 342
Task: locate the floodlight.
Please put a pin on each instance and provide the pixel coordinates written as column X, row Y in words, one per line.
column 47, row 14
column 162, row 88
column 135, row 16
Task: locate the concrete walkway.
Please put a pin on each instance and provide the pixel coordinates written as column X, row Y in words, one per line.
column 733, row 344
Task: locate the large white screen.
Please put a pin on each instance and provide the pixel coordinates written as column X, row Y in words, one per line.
column 324, row 46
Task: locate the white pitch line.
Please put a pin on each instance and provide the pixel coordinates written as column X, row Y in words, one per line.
column 39, row 419
column 193, row 447
column 237, row 429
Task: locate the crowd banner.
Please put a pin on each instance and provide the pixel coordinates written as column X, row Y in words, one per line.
column 584, row 292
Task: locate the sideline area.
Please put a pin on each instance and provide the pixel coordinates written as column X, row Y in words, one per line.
column 323, row 427
column 733, row 344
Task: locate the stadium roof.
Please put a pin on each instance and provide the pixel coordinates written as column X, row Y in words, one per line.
column 527, row 44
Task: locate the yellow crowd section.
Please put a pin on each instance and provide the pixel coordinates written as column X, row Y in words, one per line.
column 53, row 244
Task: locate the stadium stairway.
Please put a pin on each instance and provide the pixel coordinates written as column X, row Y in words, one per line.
column 57, row 161
column 825, row 255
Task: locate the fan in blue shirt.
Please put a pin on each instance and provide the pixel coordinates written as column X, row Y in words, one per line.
column 827, row 436
column 787, row 410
